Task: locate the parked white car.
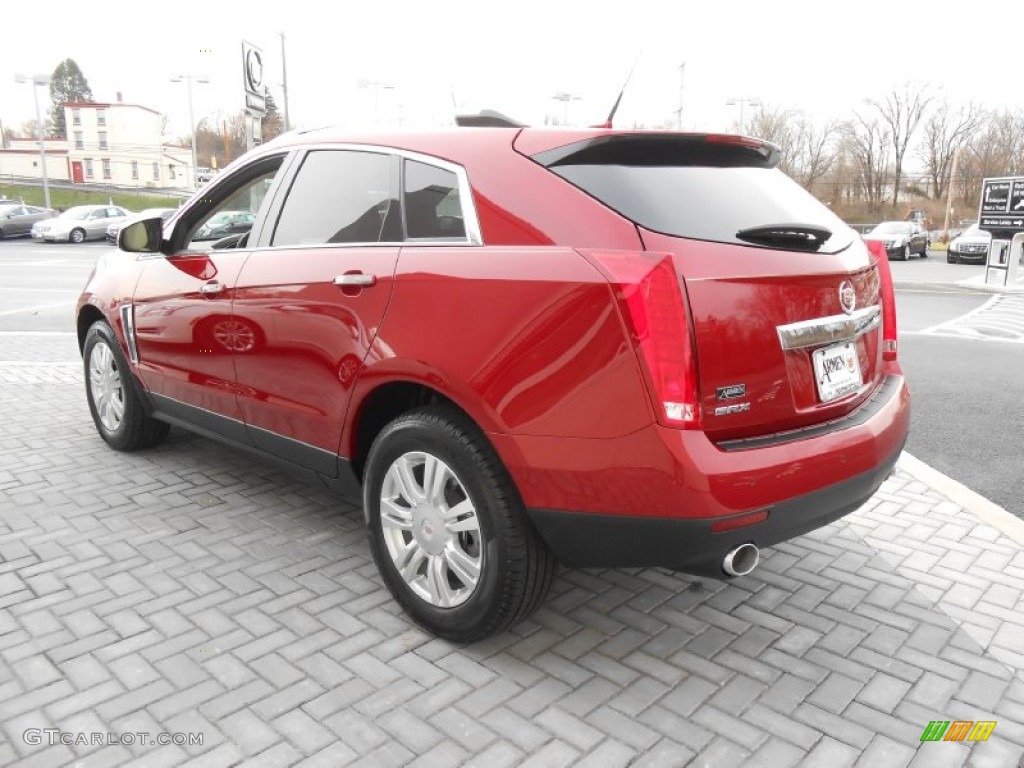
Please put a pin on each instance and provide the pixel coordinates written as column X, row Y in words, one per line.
column 81, row 223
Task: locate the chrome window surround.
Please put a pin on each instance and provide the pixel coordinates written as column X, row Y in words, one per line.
column 469, row 214
column 825, row 330
column 128, row 324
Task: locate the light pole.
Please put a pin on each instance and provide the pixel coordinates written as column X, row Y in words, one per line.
column 284, row 85
column 376, row 85
column 743, row 102
column 36, row 81
column 565, row 98
column 682, row 82
column 191, row 119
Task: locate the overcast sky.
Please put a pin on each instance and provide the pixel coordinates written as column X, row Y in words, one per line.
column 823, row 57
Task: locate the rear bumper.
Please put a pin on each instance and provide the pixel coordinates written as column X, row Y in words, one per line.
column 616, row 541
column 651, row 498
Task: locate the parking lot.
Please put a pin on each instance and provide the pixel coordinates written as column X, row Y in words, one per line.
column 193, row 590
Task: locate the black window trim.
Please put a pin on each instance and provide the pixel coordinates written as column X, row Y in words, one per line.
column 284, row 181
column 299, row 157
column 225, row 186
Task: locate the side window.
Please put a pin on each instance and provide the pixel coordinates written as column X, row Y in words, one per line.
column 432, row 205
column 224, row 219
column 339, row 196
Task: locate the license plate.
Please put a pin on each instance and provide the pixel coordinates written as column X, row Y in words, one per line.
column 837, row 371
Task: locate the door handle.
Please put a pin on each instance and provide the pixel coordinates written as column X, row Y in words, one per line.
column 356, row 279
column 211, row 288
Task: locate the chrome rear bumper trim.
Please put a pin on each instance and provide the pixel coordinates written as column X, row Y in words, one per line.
column 825, row 330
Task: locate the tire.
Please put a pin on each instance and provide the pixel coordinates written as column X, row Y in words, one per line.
column 2, row 235
column 113, row 395
column 492, row 540
column 924, row 251
column 950, row 259
column 905, row 253
column 77, row 235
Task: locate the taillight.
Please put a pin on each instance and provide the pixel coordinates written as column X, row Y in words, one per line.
column 889, row 343
column 652, row 301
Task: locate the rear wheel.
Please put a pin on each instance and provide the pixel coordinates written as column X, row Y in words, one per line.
column 77, row 235
column 448, row 530
column 114, row 401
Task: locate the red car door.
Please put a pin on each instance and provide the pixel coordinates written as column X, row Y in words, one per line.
column 315, row 292
column 184, row 331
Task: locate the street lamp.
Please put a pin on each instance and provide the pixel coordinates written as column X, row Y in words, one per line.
column 742, row 102
column 565, row 98
column 191, row 119
column 376, row 85
column 38, row 80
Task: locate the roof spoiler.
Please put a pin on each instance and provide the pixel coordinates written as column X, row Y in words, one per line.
column 487, row 118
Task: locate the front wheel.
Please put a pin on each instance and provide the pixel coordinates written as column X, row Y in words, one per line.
column 114, row 402
column 905, row 253
column 77, row 235
column 448, row 530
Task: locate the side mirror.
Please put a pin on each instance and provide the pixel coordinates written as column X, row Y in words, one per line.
column 142, row 236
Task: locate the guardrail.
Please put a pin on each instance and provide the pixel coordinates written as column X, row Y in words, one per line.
column 32, row 181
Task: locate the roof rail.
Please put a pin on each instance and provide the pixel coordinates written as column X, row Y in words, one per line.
column 487, row 118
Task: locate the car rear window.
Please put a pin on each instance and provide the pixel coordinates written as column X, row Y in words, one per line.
column 693, row 186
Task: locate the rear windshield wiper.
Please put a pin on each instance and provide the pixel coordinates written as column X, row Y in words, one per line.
column 803, row 236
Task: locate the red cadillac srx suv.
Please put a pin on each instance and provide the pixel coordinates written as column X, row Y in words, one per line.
column 515, row 346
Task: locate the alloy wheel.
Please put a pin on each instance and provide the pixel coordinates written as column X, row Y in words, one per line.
column 106, row 387
column 431, row 529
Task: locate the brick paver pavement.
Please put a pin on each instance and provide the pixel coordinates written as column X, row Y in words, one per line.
column 194, row 589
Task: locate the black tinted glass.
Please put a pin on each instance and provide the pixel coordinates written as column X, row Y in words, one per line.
column 338, row 196
column 432, row 205
column 705, row 202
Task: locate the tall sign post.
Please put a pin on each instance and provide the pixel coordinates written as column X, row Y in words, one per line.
column 1001, row 213
column 255, row 94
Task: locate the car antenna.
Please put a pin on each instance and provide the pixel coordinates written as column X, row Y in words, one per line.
column 615, row 107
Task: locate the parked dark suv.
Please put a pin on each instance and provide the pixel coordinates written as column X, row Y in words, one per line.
column 516, row 346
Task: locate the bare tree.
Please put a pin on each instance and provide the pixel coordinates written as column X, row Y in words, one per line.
column 946, row 131
column 867, row 142
column 815, row 150
column 901, row 112
column 774, row 124
column 808, row 150
column 996, row 149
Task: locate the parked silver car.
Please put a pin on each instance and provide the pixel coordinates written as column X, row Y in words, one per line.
column 149, row 213
column 18, row 220
column 83, row 222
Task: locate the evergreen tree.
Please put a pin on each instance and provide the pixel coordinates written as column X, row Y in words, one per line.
column 272, row 124
column 67, row 83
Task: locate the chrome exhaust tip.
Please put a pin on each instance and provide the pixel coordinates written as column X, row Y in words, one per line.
column 741, row 560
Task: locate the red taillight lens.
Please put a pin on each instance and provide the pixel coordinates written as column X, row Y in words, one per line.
column 652, row 301
column 889, row 343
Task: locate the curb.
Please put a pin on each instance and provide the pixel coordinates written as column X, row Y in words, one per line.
column 964, row 286
column 986, row 511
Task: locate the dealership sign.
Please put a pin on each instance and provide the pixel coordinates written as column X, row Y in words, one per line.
column 1002, row 205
